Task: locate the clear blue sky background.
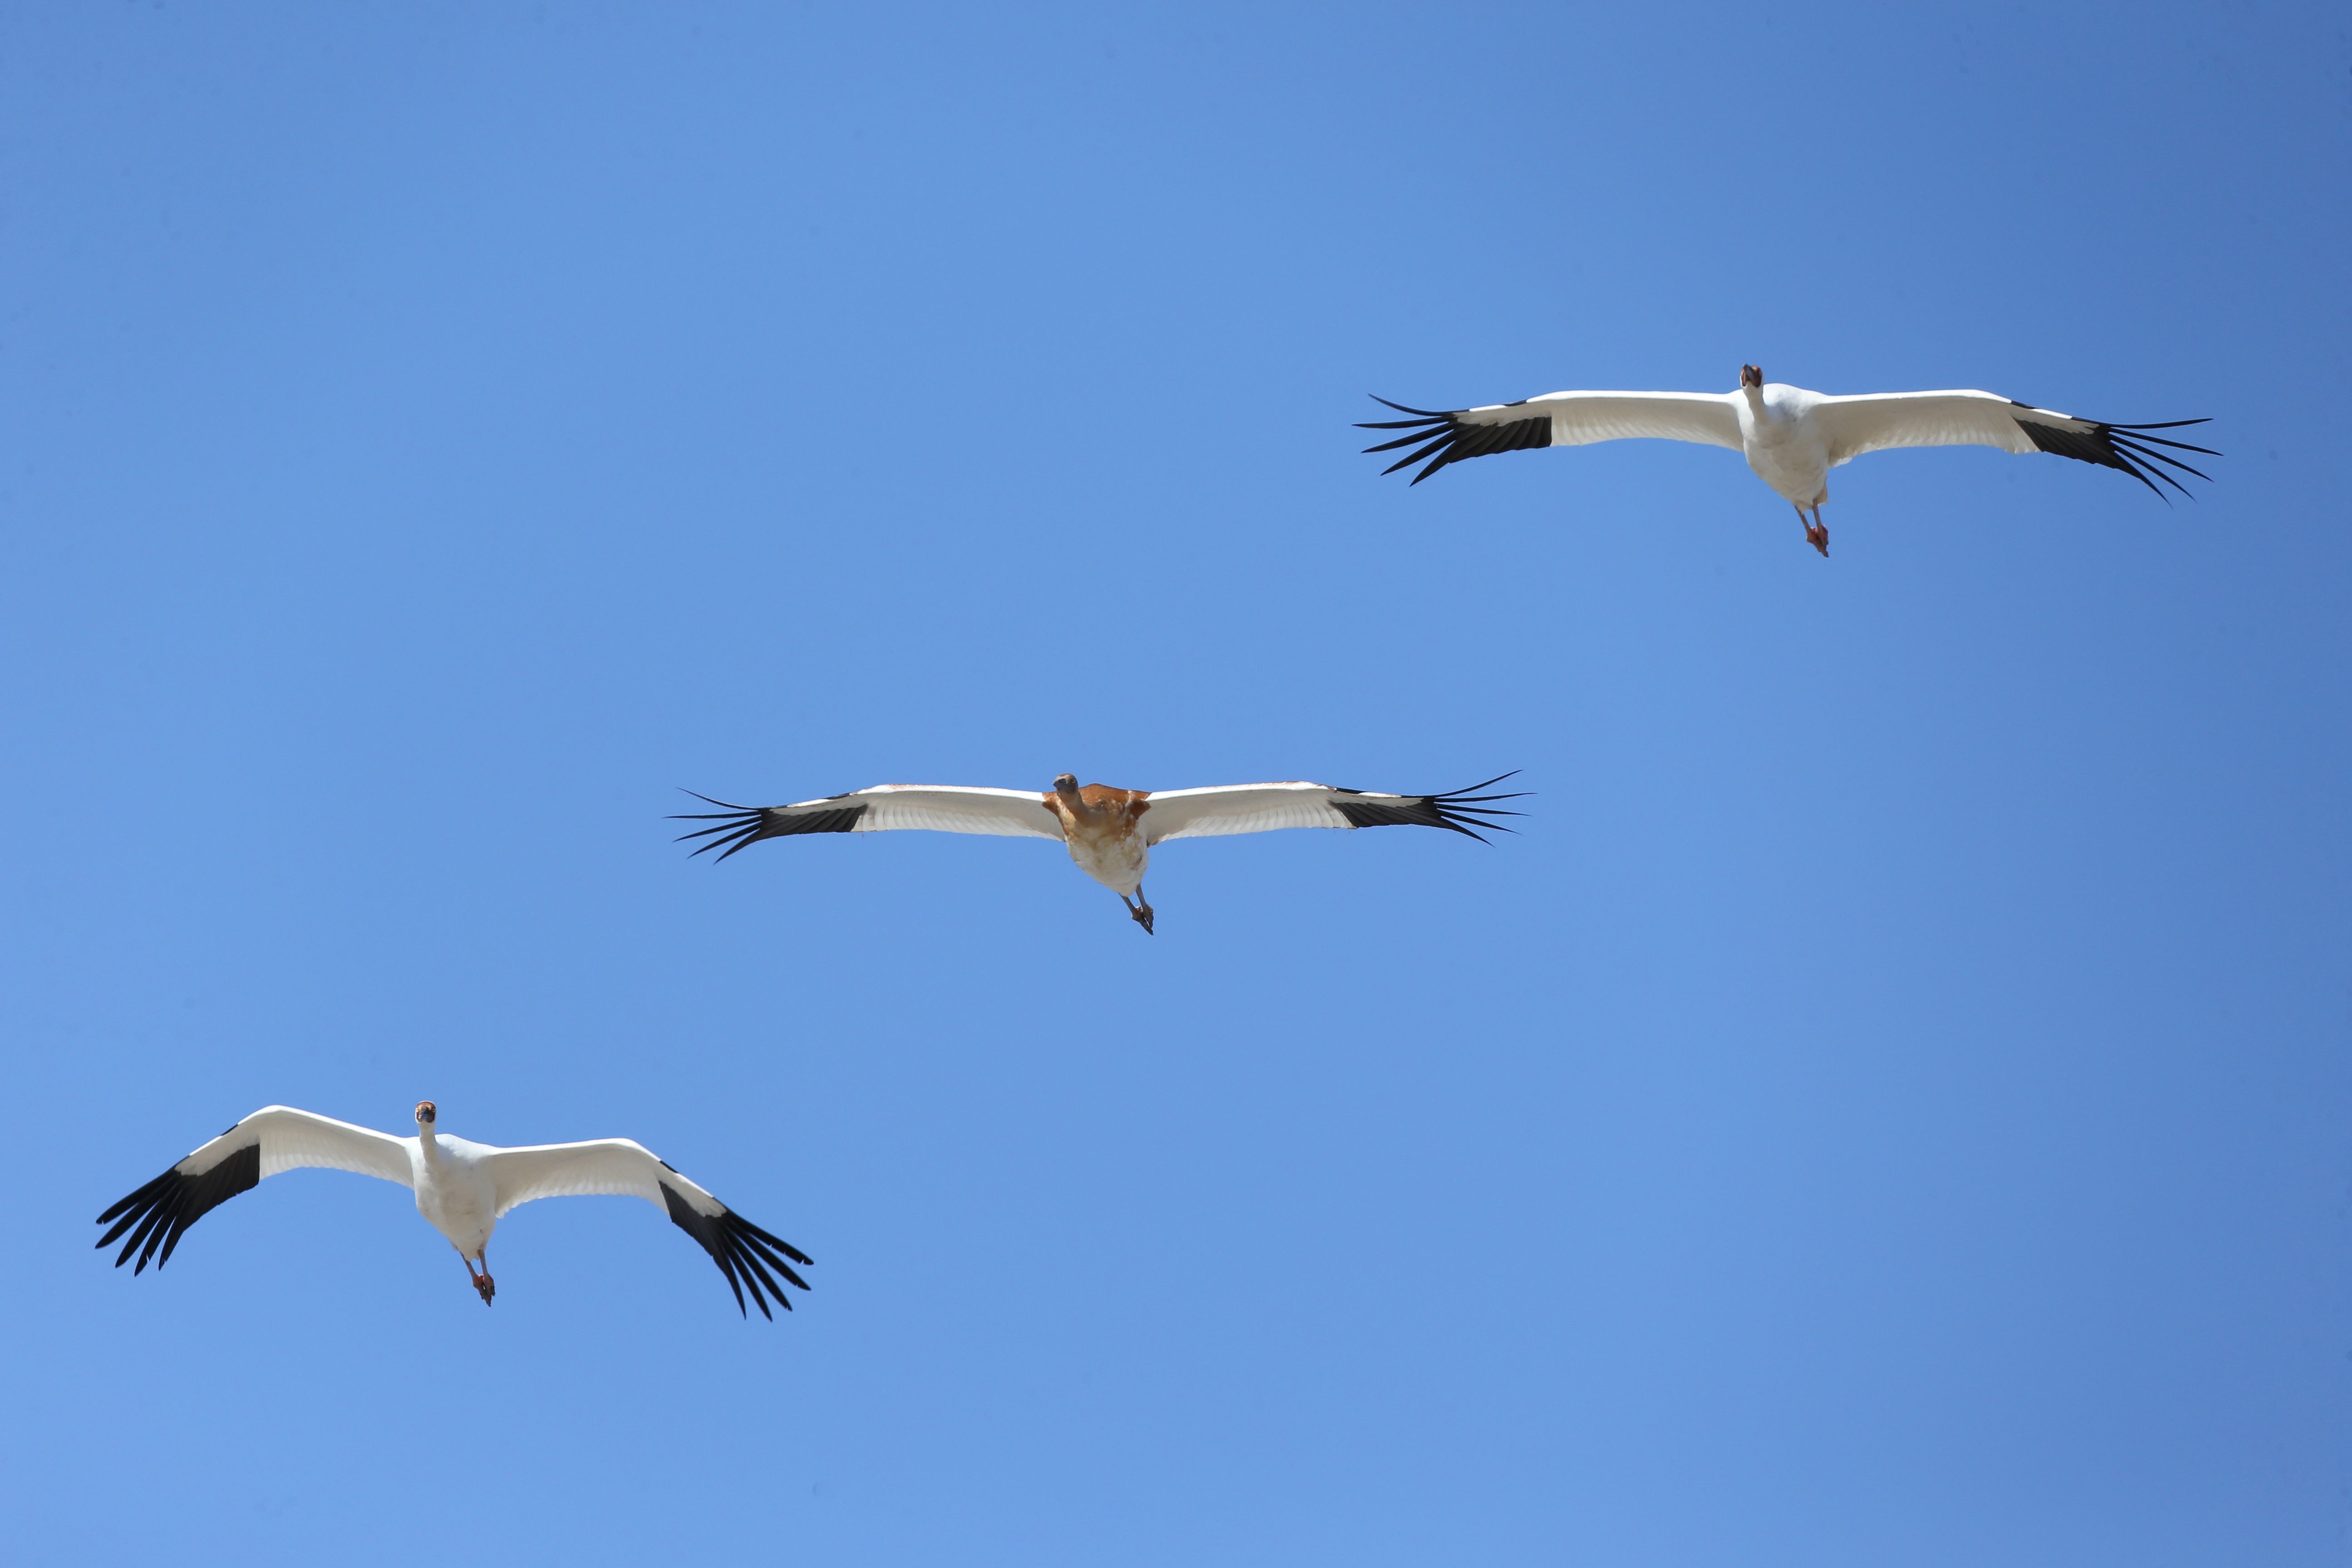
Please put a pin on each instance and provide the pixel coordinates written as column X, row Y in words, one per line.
column 1891, row 1105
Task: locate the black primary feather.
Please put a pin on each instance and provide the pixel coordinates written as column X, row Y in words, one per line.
column 1443, row 439
column 1461, row 810
column 2127, row 448
column 743, row 1252
column 163, row 1209
column 742, row 825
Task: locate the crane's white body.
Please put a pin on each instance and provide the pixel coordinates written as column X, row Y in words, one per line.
column 456, row 1190
column 1111, row 852
column 1783, row 445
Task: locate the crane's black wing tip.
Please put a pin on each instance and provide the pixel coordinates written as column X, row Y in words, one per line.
column 1462, row 811
column 2125, row 448
column 745, row 1254
column 735, row 829
column 1443, row 437
column 740, row 826
column 160, row 1213
column 1422, row 414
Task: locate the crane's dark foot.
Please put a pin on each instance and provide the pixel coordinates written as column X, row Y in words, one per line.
column 1818, row 537
column 1141, row 913
column 487, row 1286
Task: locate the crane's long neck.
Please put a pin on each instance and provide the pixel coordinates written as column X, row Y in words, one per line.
column 428, row 1145
column 1761, row 414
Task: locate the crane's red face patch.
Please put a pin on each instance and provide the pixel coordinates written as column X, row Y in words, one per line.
column 1749, row 375
column 425, row 1111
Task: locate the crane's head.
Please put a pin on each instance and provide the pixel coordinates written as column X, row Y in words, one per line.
column 1065, row 783
column 425, row 1113
column 1750, row 375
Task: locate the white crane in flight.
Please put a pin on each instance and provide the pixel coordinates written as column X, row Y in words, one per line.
column 1792, row 437
column 462, row 1188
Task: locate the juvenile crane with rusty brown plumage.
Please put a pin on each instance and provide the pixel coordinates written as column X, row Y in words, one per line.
column 1109, row 832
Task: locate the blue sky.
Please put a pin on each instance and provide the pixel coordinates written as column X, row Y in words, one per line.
column 1889, row 1105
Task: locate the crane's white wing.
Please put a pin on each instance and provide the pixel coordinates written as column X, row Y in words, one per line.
column 614, row 1167
column 274, row 1139
column 1853, row 426
column 1557, row 419
column 942, row 809
column 1262, row 808
column 624, row 1168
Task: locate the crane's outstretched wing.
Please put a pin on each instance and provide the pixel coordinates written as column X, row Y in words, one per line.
column 273, row 1139
column 623, row 1168
column 1853, row 426
column 1262, row 807
column 1557, row 419
column 942, row 809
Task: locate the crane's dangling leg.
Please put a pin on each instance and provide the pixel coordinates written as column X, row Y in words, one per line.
column 483, row 1283
column 1815, row 535
column 1139, row 911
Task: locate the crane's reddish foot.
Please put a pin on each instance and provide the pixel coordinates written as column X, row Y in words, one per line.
column 1818, row 537
column 487, row 1286
column 1139, row 913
